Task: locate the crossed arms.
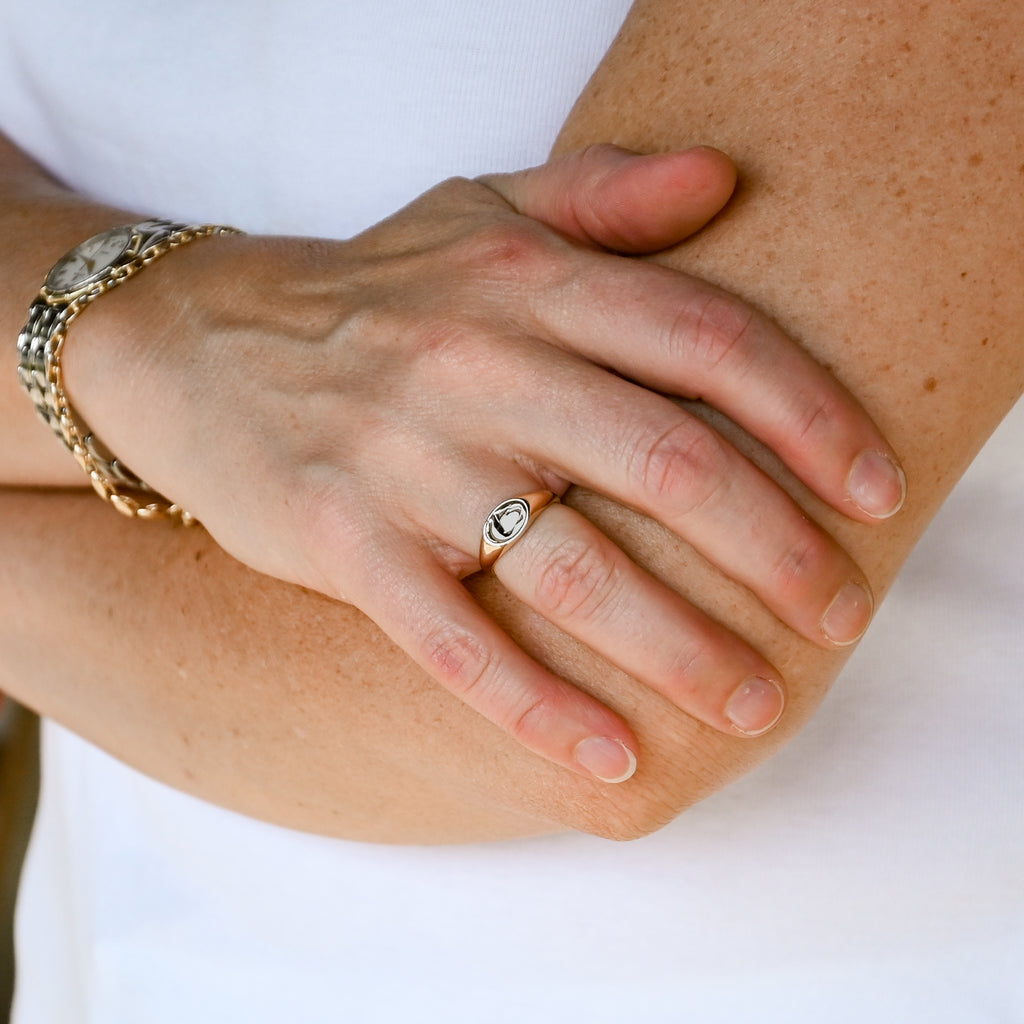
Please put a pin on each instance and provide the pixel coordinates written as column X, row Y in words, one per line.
column 315, row 721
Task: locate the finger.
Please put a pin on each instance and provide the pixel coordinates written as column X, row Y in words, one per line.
column 622, row 200
column 436, row 621
column 569, row 572
column 596, row 429
column 679, row 335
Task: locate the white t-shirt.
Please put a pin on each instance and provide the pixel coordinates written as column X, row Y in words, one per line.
column 874, row 871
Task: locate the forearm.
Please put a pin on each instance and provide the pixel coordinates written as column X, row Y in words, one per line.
column 881, row 206
column 878, row 216
column 281, row 704
column 820, row 239
column 227, row 684
column 156, row 700
column 390, row 779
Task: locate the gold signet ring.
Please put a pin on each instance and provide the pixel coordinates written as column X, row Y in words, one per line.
column 509, row 521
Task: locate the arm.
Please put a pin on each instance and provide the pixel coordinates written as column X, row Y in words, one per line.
column 170, row 344
column 884, row 172
column 682, row 760
column 878, row 220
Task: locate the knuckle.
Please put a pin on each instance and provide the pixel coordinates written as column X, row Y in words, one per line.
column 593, row 217
column 454, row 187
column 527, row 722
column 444, row 346
column 716, row 329
column 452, row 196
column 459, row 660
column 476, row 675
column 594, row 156
column 340, row 543
column 801, row 565
column 470, row 365
column 684, row 466
column 446, row 351
column 686, row 669
column 509, row 249
column 576, row 580
column 815, row 419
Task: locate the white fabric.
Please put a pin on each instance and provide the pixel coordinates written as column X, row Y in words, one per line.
column 308, row 116
column 871, row 872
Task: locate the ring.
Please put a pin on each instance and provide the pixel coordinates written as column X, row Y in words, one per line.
column 509, row 521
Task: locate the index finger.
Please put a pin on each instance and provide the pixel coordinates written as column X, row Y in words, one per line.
column 674, row 333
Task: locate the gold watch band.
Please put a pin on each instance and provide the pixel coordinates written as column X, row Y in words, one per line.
column 41, row 346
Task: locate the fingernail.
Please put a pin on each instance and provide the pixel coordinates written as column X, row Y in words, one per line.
column 876, row 485
column 607, row 759
column 848, row 615
column 755, row 706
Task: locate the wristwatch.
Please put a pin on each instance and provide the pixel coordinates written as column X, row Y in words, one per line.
column 79, row 278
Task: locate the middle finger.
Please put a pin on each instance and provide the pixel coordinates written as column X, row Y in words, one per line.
column 596, row 429
column 569, row 572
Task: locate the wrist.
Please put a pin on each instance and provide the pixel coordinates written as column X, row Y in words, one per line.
column 88, row 274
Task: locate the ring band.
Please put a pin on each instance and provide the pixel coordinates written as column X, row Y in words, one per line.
column 509, row 521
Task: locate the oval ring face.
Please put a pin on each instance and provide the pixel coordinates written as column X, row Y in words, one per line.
column 507, row 522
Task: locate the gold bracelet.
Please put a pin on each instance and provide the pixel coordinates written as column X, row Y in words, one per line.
column 78, row 279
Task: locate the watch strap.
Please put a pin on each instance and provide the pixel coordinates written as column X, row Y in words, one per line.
column 40, row 349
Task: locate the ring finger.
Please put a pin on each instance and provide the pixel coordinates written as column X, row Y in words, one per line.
column 644, row 451
column 568, row 571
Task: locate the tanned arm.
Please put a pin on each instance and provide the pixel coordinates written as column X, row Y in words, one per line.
column 878, row 217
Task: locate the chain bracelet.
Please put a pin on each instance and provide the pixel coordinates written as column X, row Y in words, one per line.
column 42, row 345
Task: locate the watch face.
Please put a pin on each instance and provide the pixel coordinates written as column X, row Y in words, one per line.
column 89, row 261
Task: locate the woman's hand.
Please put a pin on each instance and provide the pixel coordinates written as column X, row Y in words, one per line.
column 344, row 415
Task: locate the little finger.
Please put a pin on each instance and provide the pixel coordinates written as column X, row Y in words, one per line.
column 693, row 340
column 436, row 621
column 572, row 574
column 644, row 451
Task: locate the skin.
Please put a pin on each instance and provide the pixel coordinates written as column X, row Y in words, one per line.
column 333, row 355
column 338, row 397
column 934, row 347
column 930, row 344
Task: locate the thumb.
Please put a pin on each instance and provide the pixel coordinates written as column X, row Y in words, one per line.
column 609, row 196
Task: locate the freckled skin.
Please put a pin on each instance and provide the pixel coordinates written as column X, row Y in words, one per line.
column 878, row 215
column 879, row 210
column 863, row 223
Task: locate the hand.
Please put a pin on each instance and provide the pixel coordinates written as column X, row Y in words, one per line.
column 344, row 415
